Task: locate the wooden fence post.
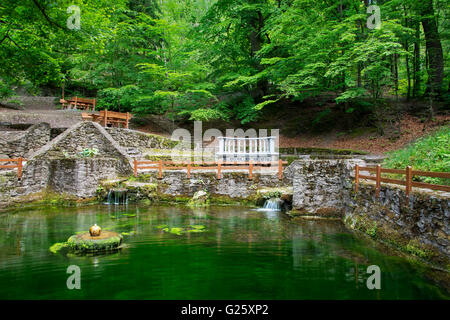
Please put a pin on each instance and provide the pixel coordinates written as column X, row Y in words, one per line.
column 160, row 170
column 378, row 181
column 128, row 117
column 19, row 168
column 135, row 167
column 189, row 170
column 250, row 170
column 408, row 184
column 106, row 118
column 280, row 169
column 219, row 169
column 356, row 178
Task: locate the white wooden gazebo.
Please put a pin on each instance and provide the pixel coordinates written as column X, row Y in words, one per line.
column 246, row 149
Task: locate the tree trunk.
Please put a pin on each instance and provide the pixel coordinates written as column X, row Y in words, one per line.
column 434, row 49
column 406, row 46
column 256, row 42
column 395, row 70
column 416, row 62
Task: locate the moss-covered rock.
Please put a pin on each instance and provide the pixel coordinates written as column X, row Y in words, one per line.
column 107, row 241
column 199, row 199
column 58, row 247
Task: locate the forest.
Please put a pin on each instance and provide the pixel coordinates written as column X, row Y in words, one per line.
column 229, row 59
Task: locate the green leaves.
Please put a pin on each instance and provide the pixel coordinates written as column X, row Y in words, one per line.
column 209, row 59
column 351, row 94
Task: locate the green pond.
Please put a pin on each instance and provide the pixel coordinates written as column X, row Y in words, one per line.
column 236, row 253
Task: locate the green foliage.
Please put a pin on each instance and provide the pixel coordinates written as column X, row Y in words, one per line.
column 122, row 99
column 246, row 110
column 415, row 248
column 88, row 153
column 272, row 194
column 209, row 59
column 372, row 231
column 430, row 153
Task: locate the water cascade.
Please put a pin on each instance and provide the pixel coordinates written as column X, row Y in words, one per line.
column 273, row 204
column 117, row 196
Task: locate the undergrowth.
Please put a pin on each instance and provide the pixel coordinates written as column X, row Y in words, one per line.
column 429, row 153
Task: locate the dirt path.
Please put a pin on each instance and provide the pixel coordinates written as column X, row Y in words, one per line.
column 362, row 139
column 411, row 129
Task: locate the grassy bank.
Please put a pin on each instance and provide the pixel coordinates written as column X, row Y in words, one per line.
column 429, row 153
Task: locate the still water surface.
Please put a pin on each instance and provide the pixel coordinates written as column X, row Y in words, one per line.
column 243, row 254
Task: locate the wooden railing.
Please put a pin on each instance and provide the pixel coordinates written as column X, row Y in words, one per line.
column 18, row 165
column 408, row 182
column 219, row 166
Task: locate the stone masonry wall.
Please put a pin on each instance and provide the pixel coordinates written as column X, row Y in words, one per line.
column 24, row 143
column 232, row 184
column 85, row 135
column 232, row 187
column 420, row 225
column 77, row 177
column 137, row 139
column 80, row 177
column 321, row 186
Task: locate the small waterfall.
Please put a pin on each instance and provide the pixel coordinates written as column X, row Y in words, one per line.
column 273, row 204
column 117, row 196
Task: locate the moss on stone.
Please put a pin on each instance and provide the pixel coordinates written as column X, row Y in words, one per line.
column 227, row 200
column 393, row 238
column 419, row 250
column 58, row 247
column 83, row 243
column 46, row 198
column 152, row 157
column 298, row 150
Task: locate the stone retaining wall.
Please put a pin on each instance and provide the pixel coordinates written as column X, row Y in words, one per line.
column 85, row 135
column 132, row 138
column 419, row 226
column 321, row 186
column 24, row 143
column 233, row 186
column 76, row 177
column 80, row 177
column 56, row 118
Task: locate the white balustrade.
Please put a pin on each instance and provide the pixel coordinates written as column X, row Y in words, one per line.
column 245, row 149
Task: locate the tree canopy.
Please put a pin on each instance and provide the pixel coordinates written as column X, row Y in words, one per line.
column 225, row 59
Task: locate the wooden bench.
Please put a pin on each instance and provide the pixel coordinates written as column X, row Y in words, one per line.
column 113, row 118
column 86, row 116
column 79, row 103
column 64, row 103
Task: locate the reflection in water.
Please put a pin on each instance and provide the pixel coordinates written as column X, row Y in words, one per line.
column 271, row 215
column 243, row 254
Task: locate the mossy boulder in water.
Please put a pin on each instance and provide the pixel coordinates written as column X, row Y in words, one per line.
column 108, row 240
column 199, row 199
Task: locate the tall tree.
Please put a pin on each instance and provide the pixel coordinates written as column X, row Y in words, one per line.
column 433, row 46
